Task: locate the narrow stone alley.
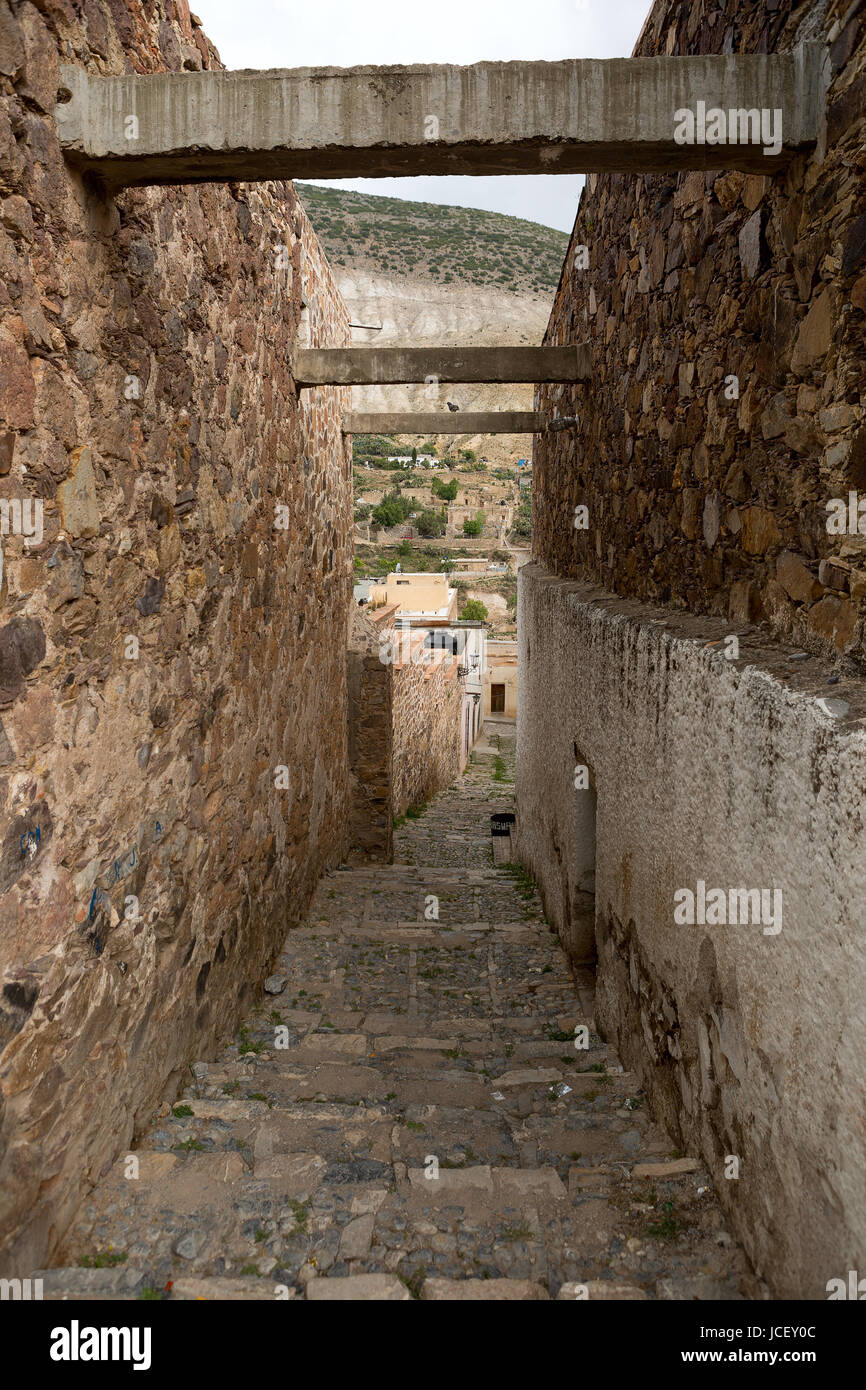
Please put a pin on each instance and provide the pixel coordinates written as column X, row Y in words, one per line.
column 409, row 1115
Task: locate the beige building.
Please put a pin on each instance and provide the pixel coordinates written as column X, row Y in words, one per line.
column 418, row 596
column 500, row 682
column 474, row 564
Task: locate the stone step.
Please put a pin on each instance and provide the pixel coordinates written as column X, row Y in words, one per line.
column 377, row 1084
column 667, row 1171
column 123, row 1282
column 408, row 876
column 228, row 1291
column 493, row 1187
column 437, row 1055
column 274, row 1074
column 601, row 1289
column 301, row 1171
column 455, row 1135
column 358, row 1288
column 454, row 935
column 423, row 1070
column 591, row 1138
column 400, row 1025
column 477, row 1290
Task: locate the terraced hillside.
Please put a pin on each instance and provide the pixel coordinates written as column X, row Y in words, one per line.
column 447, row 245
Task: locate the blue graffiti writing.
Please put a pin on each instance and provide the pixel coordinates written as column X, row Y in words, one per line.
column 99, row 899
column 124, row 866
column 30, row 841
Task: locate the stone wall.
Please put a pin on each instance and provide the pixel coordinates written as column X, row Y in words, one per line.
column 748, row 1043
column 371, row 741
column 427, row 710
column 703, row 492
column 405, row 711
column 175, row 636
column 727, row 320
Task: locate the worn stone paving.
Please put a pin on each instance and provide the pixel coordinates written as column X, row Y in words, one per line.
column 401, row 1046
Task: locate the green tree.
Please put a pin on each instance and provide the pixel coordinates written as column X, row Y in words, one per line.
column 430, row 523
column 391, row 510
column 523, row 521
column 473, row 526
column 473, row 611
column 447, row 491
column 372, row 446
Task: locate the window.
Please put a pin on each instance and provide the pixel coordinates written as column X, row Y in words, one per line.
column 446, row 640
column 497, row 699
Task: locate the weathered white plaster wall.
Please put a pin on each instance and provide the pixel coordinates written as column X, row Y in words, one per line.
column 749, row 1044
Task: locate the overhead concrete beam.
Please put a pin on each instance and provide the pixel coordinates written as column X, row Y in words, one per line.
column 572, row 116
column 391, row 366
column 432, row 422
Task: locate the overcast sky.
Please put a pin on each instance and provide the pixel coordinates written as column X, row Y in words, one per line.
column 345, row 33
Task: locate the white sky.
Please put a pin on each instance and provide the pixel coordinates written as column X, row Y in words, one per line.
column 345, row 33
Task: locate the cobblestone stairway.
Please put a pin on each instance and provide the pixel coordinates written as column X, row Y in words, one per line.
column 299, row 1163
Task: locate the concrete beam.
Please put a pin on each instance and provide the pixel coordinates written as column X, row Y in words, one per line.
column 572, row 116
column 432, row 422
column 390, row 366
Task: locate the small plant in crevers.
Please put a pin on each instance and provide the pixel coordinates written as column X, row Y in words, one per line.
column 414, row 1280
column 664, row 1225
column 105, row 1259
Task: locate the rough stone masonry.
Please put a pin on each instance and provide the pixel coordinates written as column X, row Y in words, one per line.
column 173, row 753
column 726, row 314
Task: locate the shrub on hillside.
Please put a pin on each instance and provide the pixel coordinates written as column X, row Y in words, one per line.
column 473, row 611
column 430, row 523
column 447, row 491
column 391, row 510
column 373, row 446
column 523, row 521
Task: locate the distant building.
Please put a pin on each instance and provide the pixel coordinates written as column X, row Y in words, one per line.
column 418, row 596
column 422, row 610
column 498, row 515
column 427, row 640
column 473, row 564
column 500, row 682
column 468, row 642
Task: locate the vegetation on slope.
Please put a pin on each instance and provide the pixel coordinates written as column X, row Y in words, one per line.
column 448, row 245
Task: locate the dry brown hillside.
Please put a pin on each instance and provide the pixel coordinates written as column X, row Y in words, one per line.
column 447, row 275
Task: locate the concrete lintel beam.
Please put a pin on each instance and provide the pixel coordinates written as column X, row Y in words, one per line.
column 430, row 423
column 572, row 116
column 391, row 366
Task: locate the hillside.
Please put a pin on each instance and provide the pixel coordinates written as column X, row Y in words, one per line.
column 440, row 275
column 446, row 245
